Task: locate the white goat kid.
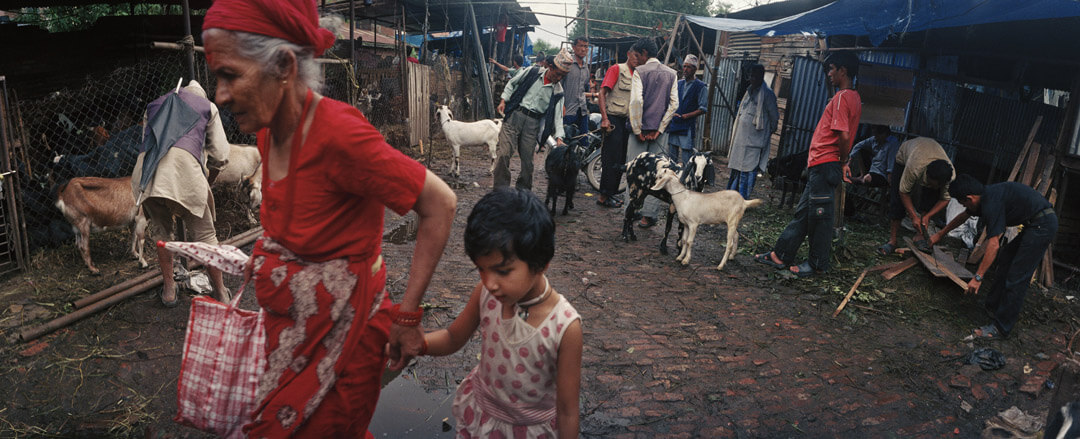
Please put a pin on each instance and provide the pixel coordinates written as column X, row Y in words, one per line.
column 696, row 208
column 481, row 132
column 244, row 169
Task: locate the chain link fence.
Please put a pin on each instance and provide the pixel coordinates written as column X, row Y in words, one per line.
column 95, row 131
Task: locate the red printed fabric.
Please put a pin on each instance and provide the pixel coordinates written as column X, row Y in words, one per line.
column 344, row 174
column 842, row 114
column 223, row 358
column 326, row 326
column 296, row 21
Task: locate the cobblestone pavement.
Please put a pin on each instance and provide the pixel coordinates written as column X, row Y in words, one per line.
column 681, row 352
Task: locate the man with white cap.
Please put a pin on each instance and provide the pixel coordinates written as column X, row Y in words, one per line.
column 693, row 102
column 533, row 95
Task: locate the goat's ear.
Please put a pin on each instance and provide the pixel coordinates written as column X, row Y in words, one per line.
column 661, row 179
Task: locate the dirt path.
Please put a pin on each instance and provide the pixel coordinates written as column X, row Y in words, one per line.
column 671, row 351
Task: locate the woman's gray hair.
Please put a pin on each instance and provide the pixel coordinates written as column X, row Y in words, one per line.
column 267, row 51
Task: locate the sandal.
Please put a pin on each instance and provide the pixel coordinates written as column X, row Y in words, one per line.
column 988, row 332
column 886, row 249
column 609, row 202
column 646, row 222
column 172, row 303
column 804, row 270
column 766, row 259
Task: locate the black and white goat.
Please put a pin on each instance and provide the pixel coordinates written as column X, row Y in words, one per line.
column 481, row 132
column 695, row 209
column 641, row 173
column 562, row 166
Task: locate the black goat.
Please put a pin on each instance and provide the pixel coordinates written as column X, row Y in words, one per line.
column 789, row 174
column 562, row 166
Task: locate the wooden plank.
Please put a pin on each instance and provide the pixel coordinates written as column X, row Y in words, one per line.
column 1025, row 149
column 903, row 266
column 947, row 261
column 931, row 264
column 850, row 293
column 1031, row 164
column 1042, row 184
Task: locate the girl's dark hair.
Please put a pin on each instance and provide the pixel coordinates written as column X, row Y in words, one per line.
column 514, row 223
column 965, row 185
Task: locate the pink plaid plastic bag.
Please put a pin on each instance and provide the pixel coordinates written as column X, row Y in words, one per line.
column 224, row 355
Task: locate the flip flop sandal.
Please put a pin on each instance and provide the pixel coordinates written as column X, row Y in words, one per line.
column 764, row 258
column 804, row 270
column 609, row 202
column 886, row 249
column 647, row 222
column 988, row 332
column 172, row 303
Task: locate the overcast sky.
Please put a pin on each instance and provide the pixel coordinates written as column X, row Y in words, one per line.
column 553, row 29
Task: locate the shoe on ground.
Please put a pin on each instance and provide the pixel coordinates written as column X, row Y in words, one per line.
column 646, row 222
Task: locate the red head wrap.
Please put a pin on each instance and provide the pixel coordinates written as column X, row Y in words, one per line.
column 296, row 21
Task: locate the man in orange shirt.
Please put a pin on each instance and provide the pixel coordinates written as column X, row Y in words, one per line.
column 826, row 165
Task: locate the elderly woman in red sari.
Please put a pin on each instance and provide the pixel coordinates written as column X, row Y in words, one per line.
column 318, row 271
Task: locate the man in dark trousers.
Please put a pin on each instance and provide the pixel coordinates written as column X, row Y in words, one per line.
column 534, row 96
column 614, row 109
column 999, row 206
column 693, row 102
column 826, row 165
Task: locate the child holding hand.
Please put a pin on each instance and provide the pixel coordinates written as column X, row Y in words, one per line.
column 528, row 379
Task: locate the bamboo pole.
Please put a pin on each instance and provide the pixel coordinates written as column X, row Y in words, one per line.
column 238, row 241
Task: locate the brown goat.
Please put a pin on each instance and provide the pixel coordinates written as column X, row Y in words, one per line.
column 92, row 203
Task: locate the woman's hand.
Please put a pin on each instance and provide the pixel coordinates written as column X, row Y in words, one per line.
column 405, row 343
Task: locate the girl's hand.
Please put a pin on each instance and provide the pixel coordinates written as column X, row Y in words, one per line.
column 405, row 342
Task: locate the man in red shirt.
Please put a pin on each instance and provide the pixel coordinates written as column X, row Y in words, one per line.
column 826, row 165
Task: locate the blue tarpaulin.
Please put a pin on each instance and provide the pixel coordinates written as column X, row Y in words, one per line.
column 880, row 19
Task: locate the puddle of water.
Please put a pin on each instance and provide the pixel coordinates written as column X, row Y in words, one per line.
column 406, row 410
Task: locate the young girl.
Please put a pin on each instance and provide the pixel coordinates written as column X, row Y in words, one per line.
column 527, row 382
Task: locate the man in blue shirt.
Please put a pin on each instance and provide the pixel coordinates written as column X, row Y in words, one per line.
column 999, row 206
column 879, row 151
column 693, row 102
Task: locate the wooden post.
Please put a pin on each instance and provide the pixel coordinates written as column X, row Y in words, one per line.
column 485, row 86
column 671, row 42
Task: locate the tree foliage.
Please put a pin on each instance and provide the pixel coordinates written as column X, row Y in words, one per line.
column 544, row 46
column 657, row 14
column 73, row 18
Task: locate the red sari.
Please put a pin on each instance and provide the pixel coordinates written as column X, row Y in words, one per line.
column 320, row 277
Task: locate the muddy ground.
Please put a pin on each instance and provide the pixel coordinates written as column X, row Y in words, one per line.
column 670, row 351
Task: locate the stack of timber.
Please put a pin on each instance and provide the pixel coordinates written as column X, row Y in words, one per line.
column 1035, row 168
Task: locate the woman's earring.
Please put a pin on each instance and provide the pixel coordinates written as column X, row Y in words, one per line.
column 284, row 81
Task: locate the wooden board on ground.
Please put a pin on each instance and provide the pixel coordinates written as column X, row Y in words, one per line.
column 938, row 270
column 947, row 261
column 899, row 268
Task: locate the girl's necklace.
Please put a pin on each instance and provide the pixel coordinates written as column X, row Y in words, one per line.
column 524, row 306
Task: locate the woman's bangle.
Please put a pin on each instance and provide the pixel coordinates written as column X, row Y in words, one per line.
column 406, row 318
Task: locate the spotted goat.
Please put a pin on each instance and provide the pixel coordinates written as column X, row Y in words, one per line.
column 641, row 174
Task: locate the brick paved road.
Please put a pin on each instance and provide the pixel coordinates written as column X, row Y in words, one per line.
column 684, row 352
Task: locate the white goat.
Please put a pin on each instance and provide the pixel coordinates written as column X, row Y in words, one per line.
column 481, row 132
column 244, row 169
column 695, row 208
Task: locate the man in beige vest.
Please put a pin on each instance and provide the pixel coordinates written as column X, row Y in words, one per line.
column 614, row 110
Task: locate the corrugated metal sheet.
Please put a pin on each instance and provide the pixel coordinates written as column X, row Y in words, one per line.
column 809, row 95
column 724, row 104
column 744, row 45
column 906, row 60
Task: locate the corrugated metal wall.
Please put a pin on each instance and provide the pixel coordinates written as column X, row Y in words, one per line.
column 724, row 104
column 744, row 45
column 809, row 95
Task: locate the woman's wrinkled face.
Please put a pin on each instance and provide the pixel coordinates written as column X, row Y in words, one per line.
column 243, row 87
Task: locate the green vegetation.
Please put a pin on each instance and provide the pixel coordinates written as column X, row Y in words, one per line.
column 74, row 18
